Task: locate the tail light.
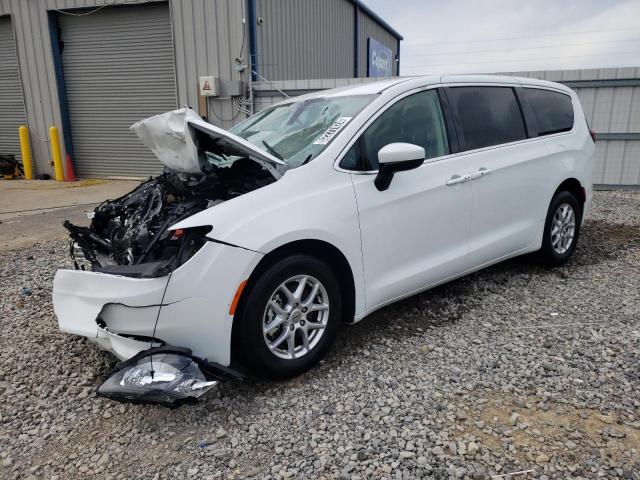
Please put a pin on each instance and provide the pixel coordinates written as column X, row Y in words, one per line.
column 593, row 134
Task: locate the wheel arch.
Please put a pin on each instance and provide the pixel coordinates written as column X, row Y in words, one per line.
column 576, row 188
column 320, row 249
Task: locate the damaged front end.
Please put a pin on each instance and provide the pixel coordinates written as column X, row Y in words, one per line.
column 130, row 235
column 122, row 295
column 204, row 166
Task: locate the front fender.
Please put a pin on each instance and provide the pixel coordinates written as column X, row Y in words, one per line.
column 309, row 203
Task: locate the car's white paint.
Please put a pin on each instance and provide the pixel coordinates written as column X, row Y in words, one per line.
column 419, row 233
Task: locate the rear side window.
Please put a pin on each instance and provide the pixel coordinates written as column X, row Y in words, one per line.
column 415, row 119
column 553, row 111
column 486, row 116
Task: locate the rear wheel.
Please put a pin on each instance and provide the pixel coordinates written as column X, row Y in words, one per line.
column 561, row 229
column 290, row 317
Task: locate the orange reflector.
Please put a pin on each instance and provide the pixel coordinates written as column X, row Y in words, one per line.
column 236, row 298
column 177, row 234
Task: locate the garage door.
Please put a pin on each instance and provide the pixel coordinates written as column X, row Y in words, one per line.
column 11, row 102
column 118, row 68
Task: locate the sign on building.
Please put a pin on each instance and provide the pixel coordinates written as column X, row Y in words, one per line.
column 380, row 59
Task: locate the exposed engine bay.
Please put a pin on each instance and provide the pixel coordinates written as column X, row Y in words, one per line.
column 130, row 235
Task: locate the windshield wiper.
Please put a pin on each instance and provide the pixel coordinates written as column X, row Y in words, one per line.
column 272, row 151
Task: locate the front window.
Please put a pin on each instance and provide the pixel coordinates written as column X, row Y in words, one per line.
column 297, row 132
column 415, row 119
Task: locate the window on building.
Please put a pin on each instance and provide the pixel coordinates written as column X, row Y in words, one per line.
column 415, row 119
column 553, row 111
column 486, row 116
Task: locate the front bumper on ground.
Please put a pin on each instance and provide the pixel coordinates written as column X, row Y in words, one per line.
column 189, row 308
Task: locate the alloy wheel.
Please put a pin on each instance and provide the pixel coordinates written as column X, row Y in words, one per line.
column 296, row 317
column 563, row 228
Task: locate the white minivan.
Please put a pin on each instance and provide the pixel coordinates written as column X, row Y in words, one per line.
column 256, row 244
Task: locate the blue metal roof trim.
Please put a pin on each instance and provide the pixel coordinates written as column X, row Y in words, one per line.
column 377, row 18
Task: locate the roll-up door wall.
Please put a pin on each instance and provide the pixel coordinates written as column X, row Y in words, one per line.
column 118, row 67
column 12, row 112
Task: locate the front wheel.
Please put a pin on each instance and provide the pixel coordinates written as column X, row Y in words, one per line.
column 290, row 317
column 561, row 229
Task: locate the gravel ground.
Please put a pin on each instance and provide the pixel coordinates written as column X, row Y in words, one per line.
column 516, row 368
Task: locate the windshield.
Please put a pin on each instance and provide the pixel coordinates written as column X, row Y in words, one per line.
column 297, row 132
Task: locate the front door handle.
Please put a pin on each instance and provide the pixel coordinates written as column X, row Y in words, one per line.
column 481, row 172
column 456, row 179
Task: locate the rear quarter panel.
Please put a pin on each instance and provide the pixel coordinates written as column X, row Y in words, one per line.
column 571, row 153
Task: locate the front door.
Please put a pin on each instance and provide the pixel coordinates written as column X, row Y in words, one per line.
column 414, row 234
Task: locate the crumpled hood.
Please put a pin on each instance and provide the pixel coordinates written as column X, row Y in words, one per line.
column 170, row 136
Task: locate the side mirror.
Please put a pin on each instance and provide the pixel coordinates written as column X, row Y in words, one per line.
column 397, row 157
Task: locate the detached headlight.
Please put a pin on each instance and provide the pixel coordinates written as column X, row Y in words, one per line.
column 169, row 378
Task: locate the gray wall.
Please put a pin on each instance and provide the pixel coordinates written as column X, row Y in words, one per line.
column 315, row 39
column 368, row 27
column 610, row 98
column 267, row 94
column 300, row 39
column 199, row 28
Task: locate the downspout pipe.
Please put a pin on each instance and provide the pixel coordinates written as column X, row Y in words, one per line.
column 253, row 39
column 62, row 91
column 356, row 40
column 398, row 59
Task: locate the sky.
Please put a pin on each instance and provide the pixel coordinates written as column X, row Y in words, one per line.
column 472, row 36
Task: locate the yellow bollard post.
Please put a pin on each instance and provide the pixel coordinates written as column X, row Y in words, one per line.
column 56, row 154
column 27, row 166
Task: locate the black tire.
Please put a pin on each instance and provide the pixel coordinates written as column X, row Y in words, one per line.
column 250, row 341
column 549, row 255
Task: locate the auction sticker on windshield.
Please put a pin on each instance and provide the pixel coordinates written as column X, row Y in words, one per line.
column 332, row 131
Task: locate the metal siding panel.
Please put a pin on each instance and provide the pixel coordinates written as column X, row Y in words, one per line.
column 11, row 100
column 370, row 28
column 631, row 163
column 118, row 68
column 612, row 172
column 584, row 74
column 599, row 159
column 634, row 116
column 602, row 109
column 302, row 39
column 208, row 37
column 620, row 110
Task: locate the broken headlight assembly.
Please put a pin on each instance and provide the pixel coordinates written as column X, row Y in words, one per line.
column 172, row 248
column 163, row 375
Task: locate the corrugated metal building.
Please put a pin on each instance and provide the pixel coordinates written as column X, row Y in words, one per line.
column 93, row 67
column 315, row 39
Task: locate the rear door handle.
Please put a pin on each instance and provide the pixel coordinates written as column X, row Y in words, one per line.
column 481, row 172
column 456, row 179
